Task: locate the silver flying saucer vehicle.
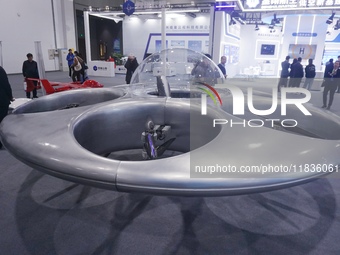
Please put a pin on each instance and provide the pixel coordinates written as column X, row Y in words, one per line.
column 177, row 129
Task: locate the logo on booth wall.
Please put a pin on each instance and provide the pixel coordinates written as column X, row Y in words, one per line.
column 129, row 7
column 95, row 68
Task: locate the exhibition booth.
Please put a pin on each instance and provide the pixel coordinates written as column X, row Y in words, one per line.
column 252, row 50
column 101, row 68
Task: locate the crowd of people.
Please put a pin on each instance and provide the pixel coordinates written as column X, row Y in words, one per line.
column 77, row 70
column 292, row 74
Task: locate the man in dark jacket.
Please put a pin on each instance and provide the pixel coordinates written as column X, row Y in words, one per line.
column 284, row 74
column 30, row 70
column 310, row 74
column 130, row 65
column 5, row 95
column 222, row 66
column 331, row 82
column 297, row 74
column 329, row 68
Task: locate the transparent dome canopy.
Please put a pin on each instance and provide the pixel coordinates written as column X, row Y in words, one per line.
column 179, row 68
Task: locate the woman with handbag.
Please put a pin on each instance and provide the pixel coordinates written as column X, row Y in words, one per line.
column 77, row 67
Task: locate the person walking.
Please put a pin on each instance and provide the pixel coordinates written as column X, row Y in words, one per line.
column 130, row 65
column 331, row 83
column 70, row 58
column 77, row 66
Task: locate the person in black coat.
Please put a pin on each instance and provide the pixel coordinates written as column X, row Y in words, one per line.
column 331, row 82
column 284, row 74
column 297, row 73
column 291, row 73
column 329, row 67
column 130, row 65
column 30, row 70
column 6, row 96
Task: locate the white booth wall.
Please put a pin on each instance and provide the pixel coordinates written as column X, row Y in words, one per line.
column 298, row 29
column 25, row 21
column 143, row 35
column 251, row 43
column 227, row 43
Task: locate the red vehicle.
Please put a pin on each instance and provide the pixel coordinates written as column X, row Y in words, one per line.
column 53, row 87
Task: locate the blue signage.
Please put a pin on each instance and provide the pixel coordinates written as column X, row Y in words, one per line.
column 95, row 68
column 305, row 34
column 129, row 7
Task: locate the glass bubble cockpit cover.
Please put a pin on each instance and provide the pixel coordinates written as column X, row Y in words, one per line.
column 181, row 67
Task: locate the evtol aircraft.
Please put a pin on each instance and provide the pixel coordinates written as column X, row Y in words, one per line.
column 176, row 130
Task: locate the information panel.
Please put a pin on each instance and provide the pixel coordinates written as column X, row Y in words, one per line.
column 328, row 54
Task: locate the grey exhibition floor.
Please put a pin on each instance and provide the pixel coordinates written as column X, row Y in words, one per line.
column 41, row 214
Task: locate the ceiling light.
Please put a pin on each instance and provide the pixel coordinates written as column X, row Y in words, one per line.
column 241, row 21
column 236, row 17
column 190, row 14
column 223, row 6
column 276, row 20
column 272, row 24
column 232, row 22
column 330, row 19
column 108, row 16
column 173, row 15
column 157, row 12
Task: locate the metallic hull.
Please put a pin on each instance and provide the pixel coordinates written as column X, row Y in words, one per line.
column 70, row 143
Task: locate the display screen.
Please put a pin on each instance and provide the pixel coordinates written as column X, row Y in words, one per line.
column 304, row 51
column 267, row 49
